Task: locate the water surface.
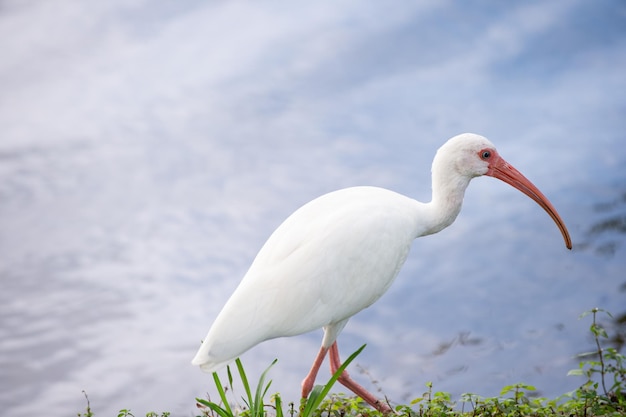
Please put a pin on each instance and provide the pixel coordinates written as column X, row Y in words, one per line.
column 147, row 153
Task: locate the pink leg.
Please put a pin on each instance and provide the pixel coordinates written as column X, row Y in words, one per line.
column 307, row 384
column 352, row 385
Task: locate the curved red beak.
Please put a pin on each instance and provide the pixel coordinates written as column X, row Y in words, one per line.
column 502, row 170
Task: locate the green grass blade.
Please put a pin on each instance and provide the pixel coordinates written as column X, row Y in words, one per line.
column 216, row 408
column 230, row 377
column 220, row 390
column 279, row 405
column 314, row 400
column 261, row 391
column 246, row 385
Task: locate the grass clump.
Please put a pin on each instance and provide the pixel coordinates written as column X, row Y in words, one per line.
column 255, row 406
column 602, row 394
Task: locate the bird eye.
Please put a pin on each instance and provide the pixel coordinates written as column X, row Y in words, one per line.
column 485, row 154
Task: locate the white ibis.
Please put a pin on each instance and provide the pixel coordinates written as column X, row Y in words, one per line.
column 339, row 253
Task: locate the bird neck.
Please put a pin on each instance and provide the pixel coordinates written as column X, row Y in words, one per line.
column 447, row 199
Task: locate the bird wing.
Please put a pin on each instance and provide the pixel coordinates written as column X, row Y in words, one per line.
column 330, row 259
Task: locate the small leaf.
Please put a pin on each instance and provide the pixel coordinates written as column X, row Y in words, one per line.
column 506, row 389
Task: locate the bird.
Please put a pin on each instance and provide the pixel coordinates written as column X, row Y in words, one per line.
column 339, row 253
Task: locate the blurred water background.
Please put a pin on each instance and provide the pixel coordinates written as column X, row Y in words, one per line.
column 147, row 150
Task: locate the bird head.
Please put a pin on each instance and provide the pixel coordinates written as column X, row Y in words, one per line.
column 468, row 155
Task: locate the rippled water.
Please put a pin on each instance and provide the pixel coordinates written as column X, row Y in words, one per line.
column 133, row 198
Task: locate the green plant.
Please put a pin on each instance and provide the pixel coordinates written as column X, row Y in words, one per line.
column 88, row 412
column 609, row 363
column 430, row 403
column 255, row 405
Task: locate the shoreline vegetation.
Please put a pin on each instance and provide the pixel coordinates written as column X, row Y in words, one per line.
column 603, row 393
